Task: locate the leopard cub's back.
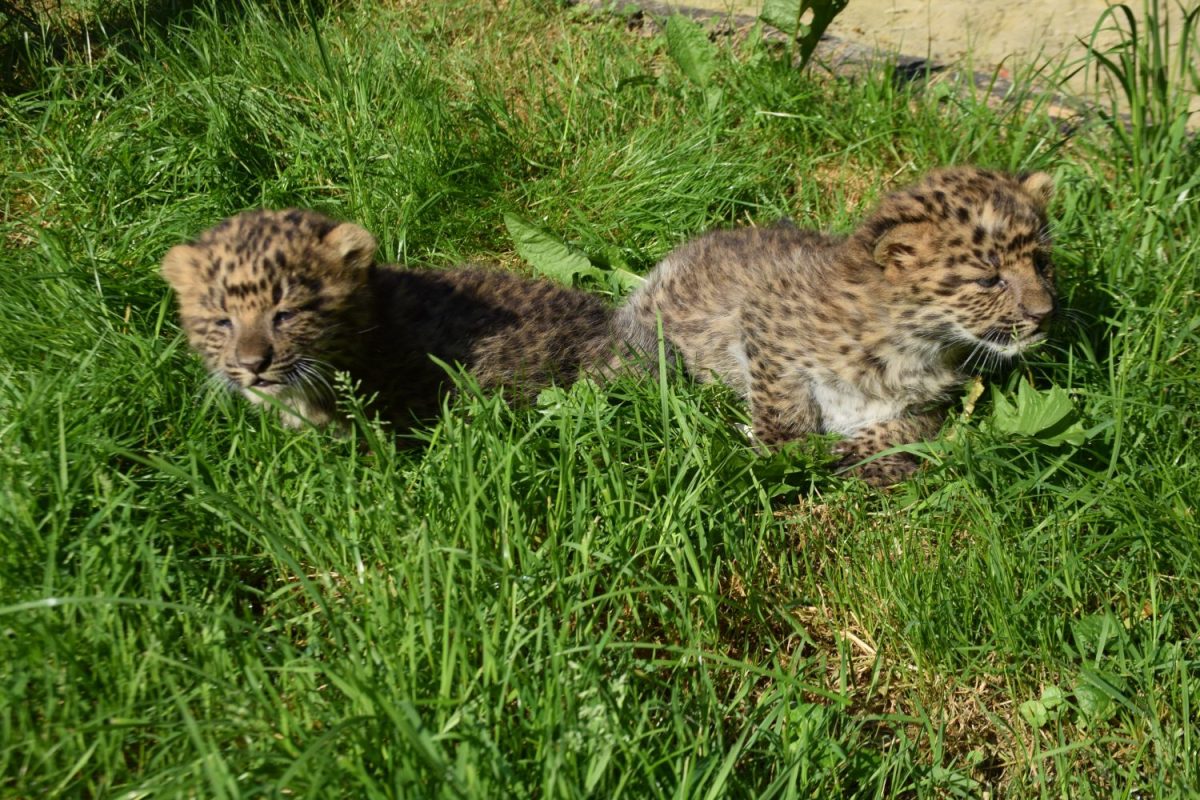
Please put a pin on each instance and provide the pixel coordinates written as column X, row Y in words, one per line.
column 847, row 333
column 507, row 331
column 700, row 291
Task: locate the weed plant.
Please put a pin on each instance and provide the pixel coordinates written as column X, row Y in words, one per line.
column 604, row 594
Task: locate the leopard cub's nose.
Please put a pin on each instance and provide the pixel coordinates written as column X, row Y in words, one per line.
column 1038, row 312
column 255, row 361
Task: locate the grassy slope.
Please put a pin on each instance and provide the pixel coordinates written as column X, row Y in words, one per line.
column 605, row 595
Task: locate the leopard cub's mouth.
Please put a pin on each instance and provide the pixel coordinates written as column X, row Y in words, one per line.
column 1000, row 335
column 1012, row 340
column 258, row 384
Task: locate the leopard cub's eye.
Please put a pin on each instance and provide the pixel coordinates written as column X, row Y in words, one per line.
column 283, row 316
column 223, row 322
column 1041, row 262
column 988, row 283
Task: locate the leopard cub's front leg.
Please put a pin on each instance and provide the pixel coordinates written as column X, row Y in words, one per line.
column 867, row 442
column 781, row 411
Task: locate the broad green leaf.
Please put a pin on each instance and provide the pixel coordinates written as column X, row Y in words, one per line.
column 782, row 14
column 548, row 255
column 690, row 48
column 1034, row 713
column 1047, row 707
column 1094, row 705
column 956, row 781
column 1052, row 697
column 1095, row 633
column 1111, row 684
column 788, row 16
column 713, row 97
column 1047, row 416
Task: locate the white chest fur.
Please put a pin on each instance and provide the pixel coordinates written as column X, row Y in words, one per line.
column 846, row 410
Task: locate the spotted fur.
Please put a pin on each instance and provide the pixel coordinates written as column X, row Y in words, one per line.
column 862, row 335
column 276, row 302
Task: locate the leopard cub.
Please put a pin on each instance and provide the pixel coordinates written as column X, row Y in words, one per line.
column 864, row 335
column 276, row 302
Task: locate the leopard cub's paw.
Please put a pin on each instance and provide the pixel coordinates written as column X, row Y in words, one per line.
column 879, row 472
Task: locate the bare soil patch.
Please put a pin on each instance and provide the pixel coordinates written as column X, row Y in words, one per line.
column 1002, row 36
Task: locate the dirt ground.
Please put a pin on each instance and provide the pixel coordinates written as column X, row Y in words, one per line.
column 982, row 34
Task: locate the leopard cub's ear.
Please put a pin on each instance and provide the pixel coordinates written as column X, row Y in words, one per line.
column 181, row 267
column 1039, row 186
column 899, row 248
column 352, row 245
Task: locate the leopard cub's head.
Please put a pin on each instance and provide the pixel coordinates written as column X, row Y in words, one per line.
column 968, row 253
column 266, row 298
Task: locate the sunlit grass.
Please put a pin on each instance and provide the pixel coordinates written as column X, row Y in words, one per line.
column 605, row 594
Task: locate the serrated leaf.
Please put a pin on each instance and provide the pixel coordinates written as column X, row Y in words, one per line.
column 622, row 281
column 1048, row 416
column 690, row 48
column 547, row 255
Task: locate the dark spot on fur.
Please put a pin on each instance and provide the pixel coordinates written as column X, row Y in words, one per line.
column 877, row 227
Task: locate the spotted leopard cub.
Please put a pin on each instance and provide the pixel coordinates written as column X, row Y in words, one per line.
column 276, row 302
column 863, row 335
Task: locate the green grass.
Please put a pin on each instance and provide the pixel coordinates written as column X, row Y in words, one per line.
column 604, row 595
